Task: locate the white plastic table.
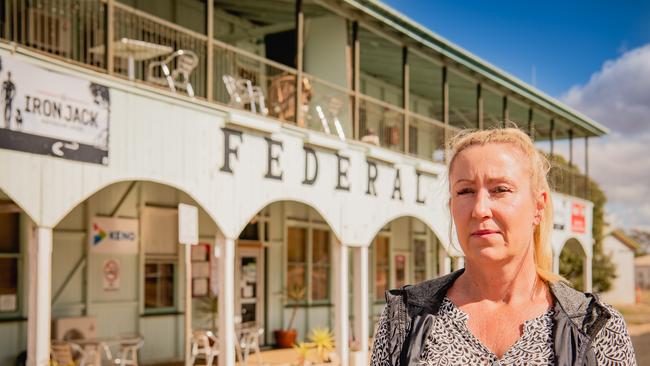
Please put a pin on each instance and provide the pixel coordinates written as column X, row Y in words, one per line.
column 134, row 50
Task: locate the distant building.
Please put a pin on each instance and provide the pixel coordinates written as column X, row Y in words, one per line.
column 642, row 270
column 621, row 248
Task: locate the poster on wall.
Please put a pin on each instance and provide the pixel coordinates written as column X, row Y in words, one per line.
column 111, row 275
column 578, row 222
column 560, row 213
column 114, row 235
column 48, row 113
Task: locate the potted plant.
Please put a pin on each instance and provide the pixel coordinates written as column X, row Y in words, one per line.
column 286, row 338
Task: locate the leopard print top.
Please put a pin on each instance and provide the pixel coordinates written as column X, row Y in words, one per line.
column 450, row 342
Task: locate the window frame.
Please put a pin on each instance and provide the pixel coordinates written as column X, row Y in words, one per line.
column 309, row 226
column 158, row 262
column 18, row 256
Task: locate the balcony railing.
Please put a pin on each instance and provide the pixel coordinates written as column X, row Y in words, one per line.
column 143, row 48
column 564, row 179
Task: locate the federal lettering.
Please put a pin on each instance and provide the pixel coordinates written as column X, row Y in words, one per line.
column 272, row 160
column 230, row 151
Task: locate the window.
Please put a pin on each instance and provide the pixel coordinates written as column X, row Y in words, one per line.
column 308, row 262
column 320, row 265
column 159, row 285
column 419, row 260
column 297, row 258
column 9, row 262
column 382, row 267
column 160, row 233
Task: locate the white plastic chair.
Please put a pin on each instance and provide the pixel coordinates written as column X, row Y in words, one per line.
column 204, row 344
column 242, row 92
column 249, row 339
column 179, row 77
column 128, row 352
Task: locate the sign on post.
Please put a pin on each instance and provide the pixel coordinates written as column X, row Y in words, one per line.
column 188, row 224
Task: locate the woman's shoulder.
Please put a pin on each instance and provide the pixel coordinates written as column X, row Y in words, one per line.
column 613, row 343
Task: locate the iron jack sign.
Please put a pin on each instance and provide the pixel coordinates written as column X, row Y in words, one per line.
column 48, row 113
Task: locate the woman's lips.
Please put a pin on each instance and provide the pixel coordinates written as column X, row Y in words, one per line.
column 485, row 232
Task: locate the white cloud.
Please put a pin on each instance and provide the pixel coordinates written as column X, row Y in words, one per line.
column 618, row 96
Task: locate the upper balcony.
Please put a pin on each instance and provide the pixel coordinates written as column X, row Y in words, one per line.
column 351, row 69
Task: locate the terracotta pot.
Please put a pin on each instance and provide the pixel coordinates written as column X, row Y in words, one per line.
column 285, row 338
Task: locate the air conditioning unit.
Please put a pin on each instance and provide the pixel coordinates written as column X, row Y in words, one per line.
column 75, row 328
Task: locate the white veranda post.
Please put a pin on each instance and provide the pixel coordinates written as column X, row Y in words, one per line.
column 40, row 278
column 341, row 313
column 225, row 250
column 362, row 303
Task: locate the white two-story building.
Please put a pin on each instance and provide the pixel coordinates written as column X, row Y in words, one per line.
column 310, row 134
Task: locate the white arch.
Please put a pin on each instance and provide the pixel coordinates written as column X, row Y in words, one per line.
column 23, row 207
column 64, row 211
column 248, row 216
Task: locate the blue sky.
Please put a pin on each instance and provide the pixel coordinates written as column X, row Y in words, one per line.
column 592, row 55
column 567, row 41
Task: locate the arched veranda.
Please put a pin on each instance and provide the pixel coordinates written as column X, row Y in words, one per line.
column 117, row 267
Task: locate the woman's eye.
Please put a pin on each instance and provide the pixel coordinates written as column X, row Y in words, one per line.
column 502, row 189
column 464, row 191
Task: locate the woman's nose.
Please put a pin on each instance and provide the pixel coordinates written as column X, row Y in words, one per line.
column 482, row 207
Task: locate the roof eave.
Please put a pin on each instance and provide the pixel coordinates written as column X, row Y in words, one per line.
column 455, row 53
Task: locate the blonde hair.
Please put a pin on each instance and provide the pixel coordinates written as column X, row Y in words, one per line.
column 539, row 167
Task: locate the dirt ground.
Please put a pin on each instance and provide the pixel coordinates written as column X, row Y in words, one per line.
column 637, row 318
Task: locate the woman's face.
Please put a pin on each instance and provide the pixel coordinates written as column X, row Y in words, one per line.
column 492, row 203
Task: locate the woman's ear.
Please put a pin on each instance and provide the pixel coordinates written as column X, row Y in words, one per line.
column 540, row 205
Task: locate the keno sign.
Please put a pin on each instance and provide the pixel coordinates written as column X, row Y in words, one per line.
column 114, row 236
column 48, row 113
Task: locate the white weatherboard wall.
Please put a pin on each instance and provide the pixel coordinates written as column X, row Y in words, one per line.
column 623, row 287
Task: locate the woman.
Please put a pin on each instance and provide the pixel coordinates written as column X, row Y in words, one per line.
column 506, row 307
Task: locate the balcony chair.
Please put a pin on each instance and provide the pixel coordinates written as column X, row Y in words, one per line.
column 282, row 97
column 331, row 113
column 185, row 62
column 242, row 92
column 204, row 344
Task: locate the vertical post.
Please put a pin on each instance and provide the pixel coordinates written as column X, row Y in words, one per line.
column 362, row 305
column 226, row 267
column 552, row 136
column 110, row 35
column 479, row 106
column 587, row 191
column 341, row 291
column 572, row 175
column 586, row 272
column 39, row 313
column 356, row 81
column 506, row 114
column 300, row 33
column 210, row 57
column 445, row 110
column 531, row 124
column 405, row 96
column 188, row 303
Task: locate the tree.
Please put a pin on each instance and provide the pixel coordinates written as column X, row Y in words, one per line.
column 603, row 269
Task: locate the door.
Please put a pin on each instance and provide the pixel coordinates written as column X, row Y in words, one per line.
column 250, row 297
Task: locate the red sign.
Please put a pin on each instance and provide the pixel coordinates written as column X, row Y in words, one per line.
column 578, row 222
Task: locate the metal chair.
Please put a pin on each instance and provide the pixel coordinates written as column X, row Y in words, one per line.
column 204, row 344
column 179, row 77
column 243, row 92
